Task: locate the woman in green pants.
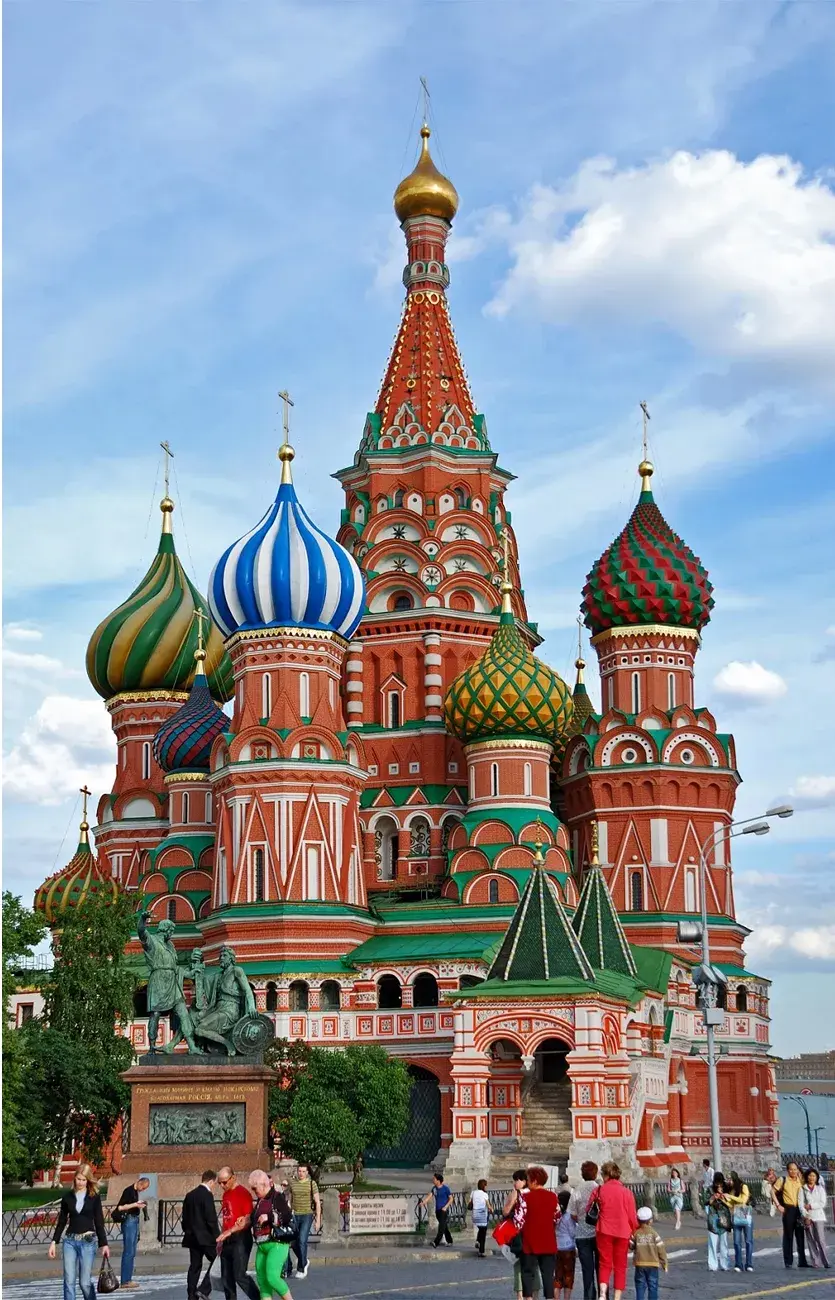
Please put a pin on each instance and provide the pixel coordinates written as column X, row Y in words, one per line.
column 271, row 1218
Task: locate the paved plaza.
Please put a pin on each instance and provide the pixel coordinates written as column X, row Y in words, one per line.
column 468, row 1278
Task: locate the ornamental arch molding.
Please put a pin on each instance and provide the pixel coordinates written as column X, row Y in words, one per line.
column 527, row 1031
column 634, row 737
column 693, row 738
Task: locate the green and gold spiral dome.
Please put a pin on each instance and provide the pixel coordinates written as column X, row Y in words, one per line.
column 80, row 879
column 148, row 643
column 508, row 692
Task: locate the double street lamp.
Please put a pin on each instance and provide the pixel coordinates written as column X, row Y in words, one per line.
column 707, row 978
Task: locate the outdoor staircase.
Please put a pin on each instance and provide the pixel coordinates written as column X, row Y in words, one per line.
column 546, row 1130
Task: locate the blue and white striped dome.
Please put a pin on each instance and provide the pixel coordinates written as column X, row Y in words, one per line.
column 286, row 573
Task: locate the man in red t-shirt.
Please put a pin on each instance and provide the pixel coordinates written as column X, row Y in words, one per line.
column 235, row 1241
column 539, row 1235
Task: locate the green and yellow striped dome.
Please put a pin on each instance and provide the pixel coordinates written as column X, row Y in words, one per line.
column 148, row 643
column 79, row 880
column 508, row 692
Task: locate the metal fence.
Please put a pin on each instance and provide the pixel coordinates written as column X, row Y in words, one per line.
column 36, row 1226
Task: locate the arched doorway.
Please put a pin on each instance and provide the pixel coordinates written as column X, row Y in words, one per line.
column 386, row 841
column 551, row 1063
column 421, row 1142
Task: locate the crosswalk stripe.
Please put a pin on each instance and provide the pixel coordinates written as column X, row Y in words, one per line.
column 678, row 1254
column 768, row 1250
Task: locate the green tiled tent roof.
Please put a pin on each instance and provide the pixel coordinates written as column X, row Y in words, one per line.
column 598, row 928
column 540, row 943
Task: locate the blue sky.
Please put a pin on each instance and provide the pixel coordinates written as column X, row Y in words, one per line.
column 198, row 213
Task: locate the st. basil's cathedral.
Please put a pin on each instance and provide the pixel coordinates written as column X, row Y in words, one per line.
column 411, row 831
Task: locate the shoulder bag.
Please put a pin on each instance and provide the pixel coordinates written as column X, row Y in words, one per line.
column 108, row 1281
column 593, row 1209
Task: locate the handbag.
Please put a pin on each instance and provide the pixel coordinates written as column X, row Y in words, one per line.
column 108, row 1281
column 285, row 1232
column 742, row 1216
column 504, row 1232
column 593, row 1210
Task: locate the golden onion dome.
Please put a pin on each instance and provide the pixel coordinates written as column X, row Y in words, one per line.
column 425, row 192
column 80, row 879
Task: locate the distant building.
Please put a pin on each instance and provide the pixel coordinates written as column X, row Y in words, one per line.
column 808, row 1065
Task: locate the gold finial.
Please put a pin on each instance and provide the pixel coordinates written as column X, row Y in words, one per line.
column 646, row 468
column 579, row 662
column 200, row 653
column 507, row 586
column 166, row 505
column 595, row 845
column 538, row 857
column 285, row 451
column 84, row 837
column 425, row 192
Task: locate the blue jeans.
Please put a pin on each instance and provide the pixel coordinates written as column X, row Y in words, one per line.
column 78, row 1266
column 744, row 1237
column 304, row 1222
column 646, row 1283
column 130, row 1238
column 717, row 1251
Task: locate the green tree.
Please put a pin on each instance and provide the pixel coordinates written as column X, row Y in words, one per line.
column 337, row 1102
column 76, row 1053
column 23, row 930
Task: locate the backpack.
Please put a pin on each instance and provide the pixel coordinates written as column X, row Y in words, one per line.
column 719, row 1218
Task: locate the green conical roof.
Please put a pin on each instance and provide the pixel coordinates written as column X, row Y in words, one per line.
column 540, row 944
column 597, row 926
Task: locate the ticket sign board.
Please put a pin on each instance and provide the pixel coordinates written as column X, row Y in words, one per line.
column 370, row 1213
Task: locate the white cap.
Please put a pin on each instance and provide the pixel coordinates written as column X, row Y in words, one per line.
column 644, row 1214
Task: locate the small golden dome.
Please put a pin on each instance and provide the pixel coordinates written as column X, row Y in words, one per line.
column 425, row 192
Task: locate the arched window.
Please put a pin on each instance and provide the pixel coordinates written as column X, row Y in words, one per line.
column 425, row 991
column 208, row 806
column 314, row 884
column 258, row 875
column 460, row 498
column 691, row 897
column 389, row 992
column 272, row 996
column 171, row 909
column 493, row 891
column 331, row 692
column 399, row 498
column 722, row 997
column 266, row 695
column 494, row 779
column 636, row 692
column 528, row 779
column 299, row 996
column 671, row 690
column 741, row 998
column 394, row 708
column 304, row 694
column 472, row 783
column 146, row 760
column 185, row 806
column 403, row 601
column 330, row 996
column 636, row 891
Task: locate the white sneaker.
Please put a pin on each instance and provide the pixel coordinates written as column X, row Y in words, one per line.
column 303, row 1271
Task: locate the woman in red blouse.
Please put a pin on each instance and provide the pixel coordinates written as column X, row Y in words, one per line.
column 539, row 1235
column 618, row 1220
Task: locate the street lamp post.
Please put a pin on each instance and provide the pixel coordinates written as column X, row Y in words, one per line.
column 801, row 1102
column 706, row 977
column 820, row 1129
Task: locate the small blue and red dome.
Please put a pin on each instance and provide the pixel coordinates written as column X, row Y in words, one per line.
column 184, row 741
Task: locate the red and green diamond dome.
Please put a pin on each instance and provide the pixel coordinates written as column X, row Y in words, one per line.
column 647, row 576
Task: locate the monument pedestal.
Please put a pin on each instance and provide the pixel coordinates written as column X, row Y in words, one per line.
column 185, row 1118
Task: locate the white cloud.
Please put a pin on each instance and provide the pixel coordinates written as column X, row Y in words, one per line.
column 738, row 258
column 21, row 666
column 814, row 791
column 21, row 632
column 68, row 743
column 749, row 683
column 814, row 941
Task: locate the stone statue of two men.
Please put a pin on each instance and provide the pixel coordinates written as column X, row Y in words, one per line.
column 222, row 995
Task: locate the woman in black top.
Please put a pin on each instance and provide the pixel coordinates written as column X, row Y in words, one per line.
column 82, row 1215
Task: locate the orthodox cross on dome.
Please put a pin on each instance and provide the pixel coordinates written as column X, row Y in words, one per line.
column 169, row 456
column 199, row 617
column 285, row 451
column 85, row 795
column 645, row 467
column 426, row 97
